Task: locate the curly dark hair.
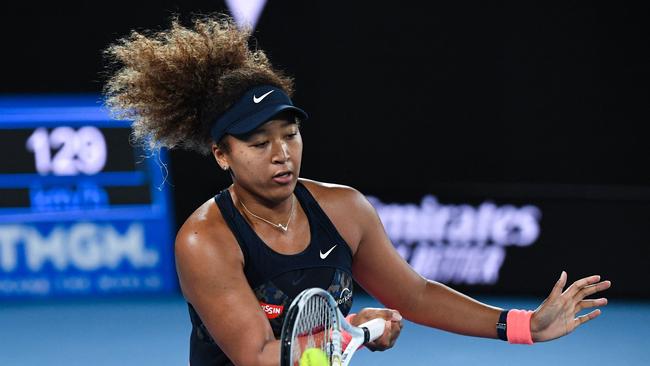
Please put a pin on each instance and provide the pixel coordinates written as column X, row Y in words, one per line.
column 173, row 84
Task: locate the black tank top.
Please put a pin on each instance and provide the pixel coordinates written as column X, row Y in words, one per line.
column 277, row 278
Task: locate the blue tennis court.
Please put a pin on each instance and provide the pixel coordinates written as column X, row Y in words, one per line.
column 155, row 332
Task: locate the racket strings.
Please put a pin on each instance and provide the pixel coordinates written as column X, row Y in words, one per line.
column 313, row 328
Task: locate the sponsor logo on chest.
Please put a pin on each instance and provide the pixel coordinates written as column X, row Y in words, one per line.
column 272, row 311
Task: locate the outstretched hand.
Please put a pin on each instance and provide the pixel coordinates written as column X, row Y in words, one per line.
column 557, row 315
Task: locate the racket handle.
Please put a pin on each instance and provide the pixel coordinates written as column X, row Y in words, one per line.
column 373, row 329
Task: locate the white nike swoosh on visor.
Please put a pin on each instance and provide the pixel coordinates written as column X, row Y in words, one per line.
column 257, row 100
column 324, row 255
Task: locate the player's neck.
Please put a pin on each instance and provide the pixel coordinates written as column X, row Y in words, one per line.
column 276, row 214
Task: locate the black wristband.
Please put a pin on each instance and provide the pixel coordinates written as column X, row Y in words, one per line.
column 502, row 326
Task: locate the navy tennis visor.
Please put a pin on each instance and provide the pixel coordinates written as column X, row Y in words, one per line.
column 257, row 106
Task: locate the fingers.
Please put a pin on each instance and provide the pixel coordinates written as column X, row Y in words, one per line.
column 590, row 303
column 580, row 284
column 559, row 285
column 592, row 289
column 392, row 330
column 556, row 316
column 585, row 318
column 374, row 313
column 396, row 316
column 391, row 315
column 385, row 338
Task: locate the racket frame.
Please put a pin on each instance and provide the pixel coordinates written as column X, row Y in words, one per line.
column 365, row 333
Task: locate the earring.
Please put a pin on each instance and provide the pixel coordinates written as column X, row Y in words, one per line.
column 225, row 167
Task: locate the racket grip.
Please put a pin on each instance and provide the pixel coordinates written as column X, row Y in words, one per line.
column 373, row 329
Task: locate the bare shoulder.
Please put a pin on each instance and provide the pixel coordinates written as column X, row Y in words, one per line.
column 205, row 238
column 203, row 223
column 331, row 193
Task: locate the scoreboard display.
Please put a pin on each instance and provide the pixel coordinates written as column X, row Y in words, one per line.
column 83, row 210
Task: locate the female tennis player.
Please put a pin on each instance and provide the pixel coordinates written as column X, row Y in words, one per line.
column 243, row 255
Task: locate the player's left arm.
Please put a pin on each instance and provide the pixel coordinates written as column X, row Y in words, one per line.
column 383, row 273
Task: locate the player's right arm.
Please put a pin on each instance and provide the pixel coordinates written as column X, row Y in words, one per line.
column 210, row 264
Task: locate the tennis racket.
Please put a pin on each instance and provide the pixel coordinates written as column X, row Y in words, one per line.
column 315, row 321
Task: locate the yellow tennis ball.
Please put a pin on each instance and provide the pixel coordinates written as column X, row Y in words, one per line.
column 314, row 357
